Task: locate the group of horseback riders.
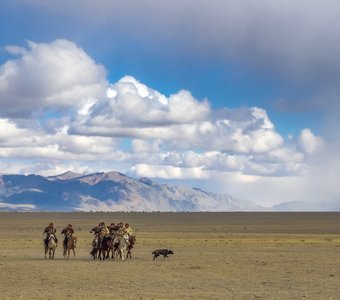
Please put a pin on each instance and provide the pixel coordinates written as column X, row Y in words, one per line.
column 107, row 237
column 101, row 234
column 68, row 231
column 113, row 229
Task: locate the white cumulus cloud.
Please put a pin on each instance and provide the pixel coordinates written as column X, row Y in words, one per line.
column 308, row 142
column 57, row 75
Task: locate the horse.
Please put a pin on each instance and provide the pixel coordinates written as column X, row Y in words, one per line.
column 111, row 247
column 104, row 247
column 95, row 247
column 51, row 246
column 71, row 245
column 132, row 241
column 123, row 243
column 67, row 235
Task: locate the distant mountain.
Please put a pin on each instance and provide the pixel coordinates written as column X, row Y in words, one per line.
column 64, row 176
column 110, row 191
column 307, row 206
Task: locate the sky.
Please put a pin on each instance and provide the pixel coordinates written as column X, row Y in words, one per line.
column 234, row 97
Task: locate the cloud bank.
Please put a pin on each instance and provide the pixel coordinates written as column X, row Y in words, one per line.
column 59, row 111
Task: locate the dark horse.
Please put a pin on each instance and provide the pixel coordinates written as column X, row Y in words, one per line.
column 132, row 241
column 104, row 247
column 101, row 247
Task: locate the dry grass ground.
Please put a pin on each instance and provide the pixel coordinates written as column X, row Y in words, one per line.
column 217, row 256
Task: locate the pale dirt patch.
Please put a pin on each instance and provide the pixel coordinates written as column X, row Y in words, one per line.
column 217, row 256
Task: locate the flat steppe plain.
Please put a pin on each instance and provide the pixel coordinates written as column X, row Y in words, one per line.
column 217, row 256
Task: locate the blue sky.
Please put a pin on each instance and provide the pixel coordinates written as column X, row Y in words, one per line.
column 231, row 96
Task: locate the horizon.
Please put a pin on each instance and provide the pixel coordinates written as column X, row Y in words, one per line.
column 287, row 206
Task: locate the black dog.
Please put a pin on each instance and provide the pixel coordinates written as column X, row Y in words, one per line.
column 164, row 252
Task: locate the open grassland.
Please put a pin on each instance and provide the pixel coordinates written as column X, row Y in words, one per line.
column 217, row 256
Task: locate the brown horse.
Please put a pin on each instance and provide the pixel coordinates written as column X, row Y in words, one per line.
column 71, row 245
column 51, row 246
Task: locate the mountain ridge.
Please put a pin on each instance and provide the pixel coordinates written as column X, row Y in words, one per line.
column 110, row 191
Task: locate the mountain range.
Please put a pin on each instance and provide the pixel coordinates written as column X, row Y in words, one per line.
column 114, row 191
column 111, row 191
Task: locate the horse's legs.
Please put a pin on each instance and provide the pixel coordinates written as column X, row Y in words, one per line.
column 122, row 254
column 108, row 252
column 94, row 254
column 114, row 251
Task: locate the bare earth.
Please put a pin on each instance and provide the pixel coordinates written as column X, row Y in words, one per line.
column 217, row 256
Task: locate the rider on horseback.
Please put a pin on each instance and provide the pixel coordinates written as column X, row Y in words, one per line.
column 132, row 238
column 100, row 232
column 121, row 230
column 48, row 231
column 113, row 228
column 128, row 229
column 103, row 231
column 68, row 232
